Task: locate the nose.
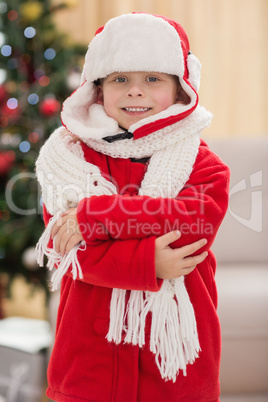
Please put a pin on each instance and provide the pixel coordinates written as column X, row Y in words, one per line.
column 135, row 90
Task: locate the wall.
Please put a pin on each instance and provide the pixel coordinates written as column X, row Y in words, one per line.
column 230, row 37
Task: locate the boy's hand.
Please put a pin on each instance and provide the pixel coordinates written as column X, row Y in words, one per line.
column 66, row 233
column 173, row 263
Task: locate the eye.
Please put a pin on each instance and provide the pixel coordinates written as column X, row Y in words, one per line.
column 121, row 79
column 152, row 79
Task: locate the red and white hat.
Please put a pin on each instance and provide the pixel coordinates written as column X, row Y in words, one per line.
column 135, row 42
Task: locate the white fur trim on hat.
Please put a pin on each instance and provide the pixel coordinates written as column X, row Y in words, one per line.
column 194, row 71
column 135, row 42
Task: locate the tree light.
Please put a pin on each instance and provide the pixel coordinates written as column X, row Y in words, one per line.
column 12, row 103
column 6, row 50
column 29, row 32
column 24, row 146
column 50, row 54
column 33, row 99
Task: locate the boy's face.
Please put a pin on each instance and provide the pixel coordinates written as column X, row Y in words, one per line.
column 131, row 96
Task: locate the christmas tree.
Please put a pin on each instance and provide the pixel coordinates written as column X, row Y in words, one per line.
column 39, row 68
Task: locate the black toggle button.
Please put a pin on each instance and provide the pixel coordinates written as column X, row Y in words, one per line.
column 122, row 136
column 140, row 160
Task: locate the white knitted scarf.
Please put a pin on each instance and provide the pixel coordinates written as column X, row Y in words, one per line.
column 66, row 178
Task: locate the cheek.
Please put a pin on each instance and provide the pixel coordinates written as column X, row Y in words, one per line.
column 166, row 99
column 109, row 102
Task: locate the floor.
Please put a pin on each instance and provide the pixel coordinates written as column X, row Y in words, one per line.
column 244, row 398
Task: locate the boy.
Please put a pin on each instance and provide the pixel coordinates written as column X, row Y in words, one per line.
column 124, row 172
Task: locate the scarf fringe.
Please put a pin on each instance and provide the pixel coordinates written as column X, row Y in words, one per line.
column 55, row 259
column 68, row 260
column 41, row 248
column 117, row 310
column 188, row 322
column 173, row 341
column 135, row 329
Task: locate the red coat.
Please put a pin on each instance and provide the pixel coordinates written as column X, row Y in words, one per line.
column 84, row 366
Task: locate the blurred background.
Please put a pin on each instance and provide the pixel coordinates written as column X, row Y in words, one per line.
column 42, row 47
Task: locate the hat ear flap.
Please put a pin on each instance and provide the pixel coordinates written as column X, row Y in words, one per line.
column 194, row 71
column 83, row 75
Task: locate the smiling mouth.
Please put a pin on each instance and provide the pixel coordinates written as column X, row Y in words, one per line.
column 136, row 109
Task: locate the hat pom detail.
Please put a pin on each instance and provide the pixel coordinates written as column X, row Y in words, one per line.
column 194, row 70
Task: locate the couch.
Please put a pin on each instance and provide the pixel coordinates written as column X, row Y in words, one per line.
column 241, row 248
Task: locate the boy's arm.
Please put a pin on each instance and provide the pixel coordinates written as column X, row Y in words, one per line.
column 197, row 212
column 137, row 264
column 127, row 264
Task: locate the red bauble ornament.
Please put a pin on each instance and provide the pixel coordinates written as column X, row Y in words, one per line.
column 6, row 162
column 3, row 94
column 49, row 107
column 11, row 114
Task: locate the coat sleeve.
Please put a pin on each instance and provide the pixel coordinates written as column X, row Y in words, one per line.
column 197, row 211
column 125, row 264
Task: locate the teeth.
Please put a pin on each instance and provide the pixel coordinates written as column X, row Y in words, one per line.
column 137, row 109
